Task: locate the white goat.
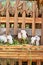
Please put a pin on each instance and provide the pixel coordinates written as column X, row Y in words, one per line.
column 19, row 35
column 7, row 38
column 10, row 39
column 22, row 34
column 35, row 39
column 3, row 38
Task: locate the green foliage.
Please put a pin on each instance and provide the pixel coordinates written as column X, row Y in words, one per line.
column 3, row 3
column 16, row 42
column 1, row 41
column 12, row 3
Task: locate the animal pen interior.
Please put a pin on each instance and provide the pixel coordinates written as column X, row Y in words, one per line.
column 26, row 15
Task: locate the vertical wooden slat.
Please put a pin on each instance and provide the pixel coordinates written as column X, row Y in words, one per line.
column 7, row 17
column 12, row 62
column 23, row 15
column 38, row 62
column 29, row 62
column 33, row 22
column 36, row 10
column 16, row 19
column 20, row 62
column 0, row 17
column 0, row 24
column 3, row 62
column 42, row 28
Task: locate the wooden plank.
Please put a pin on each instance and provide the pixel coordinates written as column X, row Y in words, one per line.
column 21, row 52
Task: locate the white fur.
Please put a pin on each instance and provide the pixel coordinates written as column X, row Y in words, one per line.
column 23, row 32
column 19, row 35
column 4, row 38
column 9, row 37
column 35, row 38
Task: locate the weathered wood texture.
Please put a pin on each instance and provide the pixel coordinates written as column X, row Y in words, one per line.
column 27, row 20
column 42, row 28
column 22, row 52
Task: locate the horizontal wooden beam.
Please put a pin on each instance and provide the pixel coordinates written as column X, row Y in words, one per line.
column 27, row 20
column 22, row 52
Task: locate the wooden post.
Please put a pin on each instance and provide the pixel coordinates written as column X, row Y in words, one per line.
column 20, row 62
column 42, row 28
column 33, row 23
column 7, row 17
column 16, row 19
column 3, row 62
column 0, row 24
column 23, row 15
column 38, row 62
column 36, row 10
column 0, row 17
column 12, row 62
column 29, row 62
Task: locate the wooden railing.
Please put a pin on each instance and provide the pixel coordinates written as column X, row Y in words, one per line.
column 20, row 53
column 27, row 20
